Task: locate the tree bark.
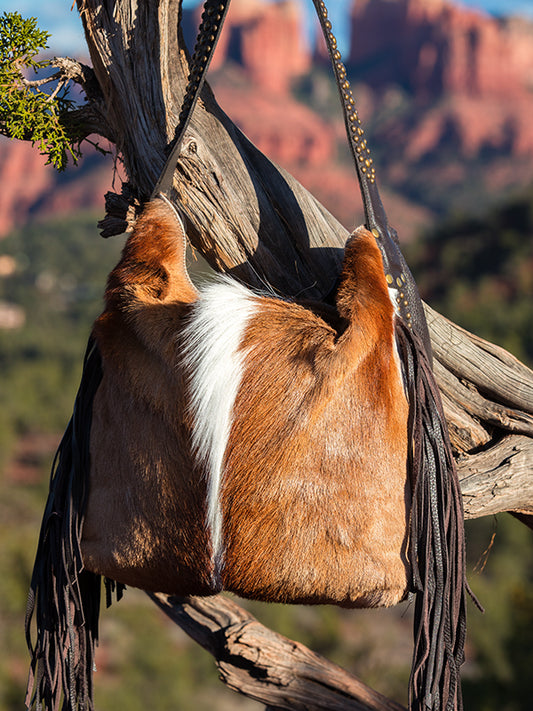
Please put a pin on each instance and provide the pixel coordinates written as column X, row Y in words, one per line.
column 266, row 666
column 252, row 219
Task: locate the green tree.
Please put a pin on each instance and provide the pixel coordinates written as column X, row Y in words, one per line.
column 40, row 110
column 27, row 111
column 479, row 273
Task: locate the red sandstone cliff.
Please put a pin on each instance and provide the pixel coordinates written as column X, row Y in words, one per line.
column 435, row 46
column 23, row 176
column 30, row 188
column 461, row 115
column 267, row 40
column 467, row 79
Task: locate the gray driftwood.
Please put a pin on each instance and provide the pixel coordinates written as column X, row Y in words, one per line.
column 252, row 219
column 266, row 666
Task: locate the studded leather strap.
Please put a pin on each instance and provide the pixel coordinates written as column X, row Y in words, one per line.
column 213, row 16
column 436, row 536
column 397, row 272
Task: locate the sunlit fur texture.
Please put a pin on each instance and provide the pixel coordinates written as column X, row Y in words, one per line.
column 311, row 499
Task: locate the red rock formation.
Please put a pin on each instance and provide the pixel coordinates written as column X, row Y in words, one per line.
column 267, row 39
column 285, row 130
column 23, row 176
column 272, row 47
column 469, row 75
column 293, row 136
column 435, row 46
column 32, row 188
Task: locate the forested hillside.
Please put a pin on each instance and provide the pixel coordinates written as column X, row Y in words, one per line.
column 478, row 271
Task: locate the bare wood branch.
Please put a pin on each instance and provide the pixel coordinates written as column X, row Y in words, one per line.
column 470, row 400
column 498, row 479
column 41, row 82
column 491, row 369
column 266, row 666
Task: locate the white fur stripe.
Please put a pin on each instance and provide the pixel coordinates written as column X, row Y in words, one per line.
column 211, row 354
column 393, row 296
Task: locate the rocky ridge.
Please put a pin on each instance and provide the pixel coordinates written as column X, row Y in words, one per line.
column 448, row 91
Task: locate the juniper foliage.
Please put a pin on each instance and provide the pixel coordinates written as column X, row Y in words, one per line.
column 34, row 110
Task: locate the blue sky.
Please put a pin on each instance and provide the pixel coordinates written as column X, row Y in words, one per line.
column 64, row 25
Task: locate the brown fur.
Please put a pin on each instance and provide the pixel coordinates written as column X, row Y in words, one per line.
column 314, row 500
column 144, row 523
column 314, row 492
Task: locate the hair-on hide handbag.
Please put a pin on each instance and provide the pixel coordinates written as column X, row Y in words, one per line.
column 228, row 440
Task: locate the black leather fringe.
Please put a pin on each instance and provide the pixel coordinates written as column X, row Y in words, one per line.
column 437, row 547
column 64, row 598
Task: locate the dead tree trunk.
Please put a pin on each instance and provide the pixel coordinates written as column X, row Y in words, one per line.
column 253, row 219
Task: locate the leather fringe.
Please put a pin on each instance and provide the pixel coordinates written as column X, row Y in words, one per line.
column 64, row 598
column 437, row 544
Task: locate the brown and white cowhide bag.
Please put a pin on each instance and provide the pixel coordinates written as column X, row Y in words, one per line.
column 244, row 442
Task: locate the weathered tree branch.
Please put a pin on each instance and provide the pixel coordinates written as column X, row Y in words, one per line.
column 499, row 478
column 254, row 220
column 91, row 117
column 266, row 666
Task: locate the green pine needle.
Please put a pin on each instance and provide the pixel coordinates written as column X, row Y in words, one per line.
column 26, row 111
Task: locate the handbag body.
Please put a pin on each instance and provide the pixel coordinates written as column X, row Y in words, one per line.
column 244, row 442
column 223, row 439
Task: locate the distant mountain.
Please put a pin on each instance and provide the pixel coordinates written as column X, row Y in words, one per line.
column 33, row 190
column 434, row 47
column 454, row 97
column 445, row 93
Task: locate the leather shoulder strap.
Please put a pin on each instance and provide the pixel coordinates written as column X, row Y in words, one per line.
column 213, row 16
column 397, row 272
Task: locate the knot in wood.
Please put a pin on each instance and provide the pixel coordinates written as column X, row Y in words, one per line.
column 191, row 147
